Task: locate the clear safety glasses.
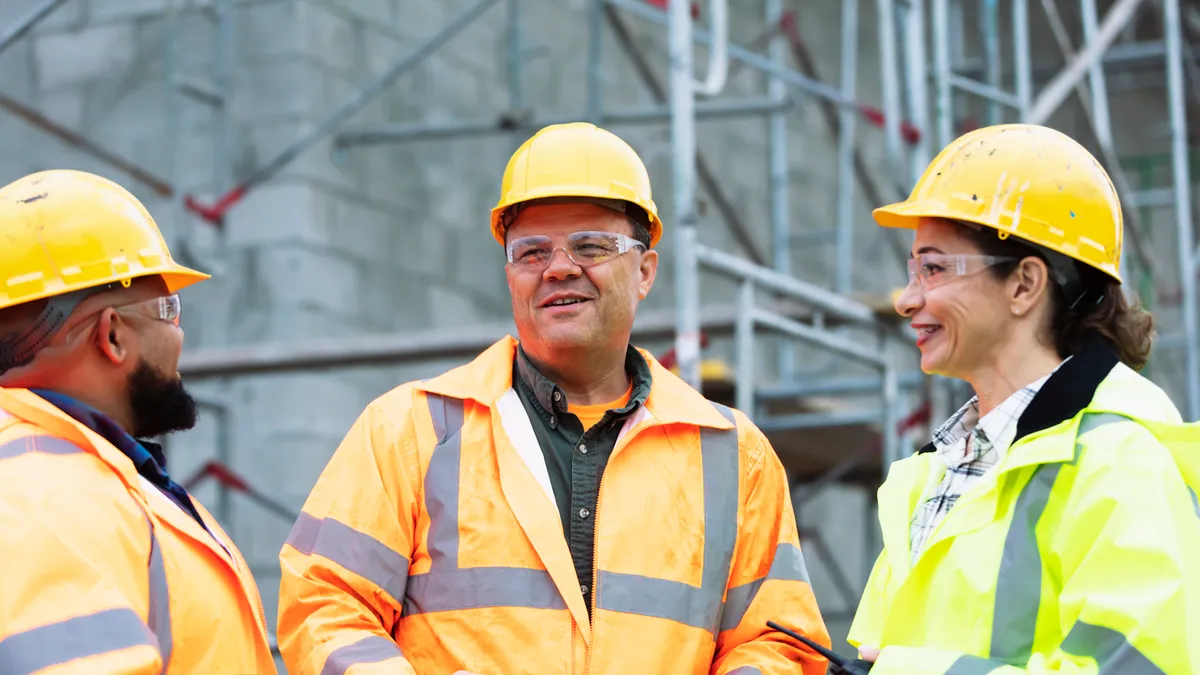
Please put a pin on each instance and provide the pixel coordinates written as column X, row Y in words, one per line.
column 166, row 308
column 585, row 249
column 930, row 270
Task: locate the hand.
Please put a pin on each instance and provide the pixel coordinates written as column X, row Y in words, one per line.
column 868, row 654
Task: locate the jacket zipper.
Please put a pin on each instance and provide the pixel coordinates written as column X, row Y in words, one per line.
column 587, row 668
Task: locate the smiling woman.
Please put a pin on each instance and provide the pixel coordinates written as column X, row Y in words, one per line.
column 1048, row 526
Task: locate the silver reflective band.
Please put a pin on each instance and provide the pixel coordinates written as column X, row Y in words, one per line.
column 788, row 565
column 672, row 600
column 75, row 638
column 371, row 649
column 1111, row 651
column 160, row 601
column 1018, row 587
column 50, row 445
column 745, row 670
column 355, row 551
column 446, row 587
column 973, row 665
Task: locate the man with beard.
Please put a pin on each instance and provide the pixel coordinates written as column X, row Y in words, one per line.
column 463, row 525
column 108, row 564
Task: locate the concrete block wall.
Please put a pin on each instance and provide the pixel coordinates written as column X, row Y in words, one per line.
column 394, row 237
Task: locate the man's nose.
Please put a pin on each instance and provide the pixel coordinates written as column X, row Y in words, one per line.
column 561, row 266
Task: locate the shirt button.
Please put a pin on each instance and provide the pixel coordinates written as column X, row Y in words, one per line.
column 553, row 422
column 584, row 513
column 584, row 589
column 557, row 396
column 583, row 448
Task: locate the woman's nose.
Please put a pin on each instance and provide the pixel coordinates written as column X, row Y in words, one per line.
column 909, row 299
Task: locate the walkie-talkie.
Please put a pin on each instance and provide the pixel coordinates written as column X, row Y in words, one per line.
column 839, row 664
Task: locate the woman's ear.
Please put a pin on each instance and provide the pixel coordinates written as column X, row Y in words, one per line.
column 110, row 336
column 1027, row 284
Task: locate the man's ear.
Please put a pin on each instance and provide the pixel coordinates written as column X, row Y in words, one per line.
column 647, row 270
column 111, row 336
column 1027, row 284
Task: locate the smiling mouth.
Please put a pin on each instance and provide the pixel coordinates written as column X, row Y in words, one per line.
column 565, row 301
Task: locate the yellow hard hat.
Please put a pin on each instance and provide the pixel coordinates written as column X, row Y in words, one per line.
column 1024, row 180
column 576, row 160
column 66, row 231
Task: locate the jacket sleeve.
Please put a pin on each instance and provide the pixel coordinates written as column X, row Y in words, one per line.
column 75, row 588
column 768, row 580
column 1128, row 556
column 345, row 564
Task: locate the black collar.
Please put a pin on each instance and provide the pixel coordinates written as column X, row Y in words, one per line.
column 1068, row 391
column 553, row 399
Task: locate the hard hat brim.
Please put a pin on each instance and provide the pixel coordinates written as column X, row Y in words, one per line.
column 907, row 215
column 181, row 277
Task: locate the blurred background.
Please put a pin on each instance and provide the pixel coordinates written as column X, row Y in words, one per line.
column 332, row 163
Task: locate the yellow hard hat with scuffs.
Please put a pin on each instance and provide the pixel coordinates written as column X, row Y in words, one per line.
column 64, row 231
column 577, row 160
column 1024, row 180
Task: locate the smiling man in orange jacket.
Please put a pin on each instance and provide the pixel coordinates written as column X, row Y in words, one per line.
column 559, row 505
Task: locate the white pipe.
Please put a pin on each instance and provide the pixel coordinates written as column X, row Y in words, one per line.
column 1053, row 95
column 718, row 57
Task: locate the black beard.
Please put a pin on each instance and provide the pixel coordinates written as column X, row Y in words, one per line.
column 160, row 404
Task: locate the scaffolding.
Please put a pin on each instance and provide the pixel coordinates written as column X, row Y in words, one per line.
column 832, row 318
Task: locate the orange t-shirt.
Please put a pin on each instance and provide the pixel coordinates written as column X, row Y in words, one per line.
column 589, row 415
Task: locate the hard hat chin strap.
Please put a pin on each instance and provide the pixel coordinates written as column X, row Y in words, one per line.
column 20, row 348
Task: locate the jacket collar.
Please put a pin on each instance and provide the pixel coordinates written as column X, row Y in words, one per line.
column 1068, row 391
column 490, row 375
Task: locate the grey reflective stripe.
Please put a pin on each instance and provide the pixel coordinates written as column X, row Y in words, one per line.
column 50, row 445
column 700, row 607
column 660, row 598
column 1019, row 585
column 76, row 638
column 745, row 670
column 973, row 665
column 788, row 565
column 1195, row 501
column 355, row 551
column 160, row 602
column 371, row 649
column 1110, row 649
column 445, row 586
column 444, row 590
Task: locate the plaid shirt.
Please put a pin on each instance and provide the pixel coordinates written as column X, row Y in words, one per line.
column 968, row 447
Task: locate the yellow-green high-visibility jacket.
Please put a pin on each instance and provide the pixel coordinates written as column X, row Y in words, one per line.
column 1078, row 553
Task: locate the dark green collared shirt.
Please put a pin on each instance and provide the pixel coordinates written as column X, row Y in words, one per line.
column 575, row 460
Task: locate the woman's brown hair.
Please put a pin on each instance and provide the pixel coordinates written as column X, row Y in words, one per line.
column 1103, row 308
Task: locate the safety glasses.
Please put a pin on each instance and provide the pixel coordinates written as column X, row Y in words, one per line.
column 930, row 270
column 167, row 308
column 585, row 249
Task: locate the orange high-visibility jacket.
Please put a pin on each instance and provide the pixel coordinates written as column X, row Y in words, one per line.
column 100, row 573
column 431, row 543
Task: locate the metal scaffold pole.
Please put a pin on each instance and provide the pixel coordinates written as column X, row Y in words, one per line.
column 683, row 169
column 1183, row 202
column 777, row 172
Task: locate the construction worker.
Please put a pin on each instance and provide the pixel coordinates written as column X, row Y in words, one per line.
column 1051, row 526
column 109, row 566
column 463, row 525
